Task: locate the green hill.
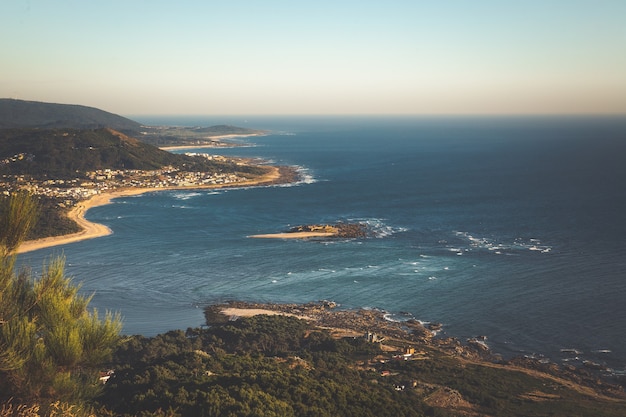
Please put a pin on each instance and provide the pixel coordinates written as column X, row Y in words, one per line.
column 16, row 114
column 36, row 155
column 64, row 153
column 20, row 113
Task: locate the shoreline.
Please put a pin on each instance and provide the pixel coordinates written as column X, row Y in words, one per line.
column 293, row 235
column 328, row 315
column 340, row 230
column 212, row 138
column 91, row 230
column 396, row 336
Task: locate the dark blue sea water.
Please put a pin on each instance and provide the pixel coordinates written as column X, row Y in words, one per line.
column 514, row 228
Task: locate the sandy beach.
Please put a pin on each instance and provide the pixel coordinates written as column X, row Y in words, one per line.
column 293, row 235
column 92, row 230
column 250, row 312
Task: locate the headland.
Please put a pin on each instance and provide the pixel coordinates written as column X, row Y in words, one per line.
column 216, row 141
column 425, row 344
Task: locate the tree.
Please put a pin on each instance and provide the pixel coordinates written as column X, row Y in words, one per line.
column 51, row 344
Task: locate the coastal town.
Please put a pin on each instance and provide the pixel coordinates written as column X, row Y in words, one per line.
column 68, row 192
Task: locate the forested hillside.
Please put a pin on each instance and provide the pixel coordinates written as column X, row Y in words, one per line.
column 284, row 366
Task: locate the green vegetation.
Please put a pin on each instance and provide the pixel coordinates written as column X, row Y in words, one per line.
column 283, row 366
column 52, row 220
column 51, row 345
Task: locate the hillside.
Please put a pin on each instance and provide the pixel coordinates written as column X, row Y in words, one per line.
column 16, row 114
column 69, row 153
column 21, row 113
column 281, row 365
column 38, row 158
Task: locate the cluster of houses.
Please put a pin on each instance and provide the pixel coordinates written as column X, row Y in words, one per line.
column 408, row 353
column 17, row 157
column 71, row 191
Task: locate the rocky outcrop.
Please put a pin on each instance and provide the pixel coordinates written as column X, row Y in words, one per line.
column 341, row 230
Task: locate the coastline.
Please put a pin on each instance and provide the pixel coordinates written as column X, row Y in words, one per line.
column 212, row 138
column 395, row 336
column 91, row 230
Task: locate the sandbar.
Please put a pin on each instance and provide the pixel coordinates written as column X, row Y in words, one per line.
column 92, row 230
column 293, row 235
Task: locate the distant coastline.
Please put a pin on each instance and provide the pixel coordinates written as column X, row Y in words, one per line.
column 91, row 230
column 216, row 142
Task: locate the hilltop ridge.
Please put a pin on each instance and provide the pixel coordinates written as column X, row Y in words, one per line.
column 34, row 114
column 20, row 114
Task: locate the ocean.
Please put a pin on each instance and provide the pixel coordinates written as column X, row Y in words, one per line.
column 508, row 227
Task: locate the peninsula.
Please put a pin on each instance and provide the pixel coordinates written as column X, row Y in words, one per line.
column 320, row 359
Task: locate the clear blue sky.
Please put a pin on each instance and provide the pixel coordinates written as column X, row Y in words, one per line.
column 317, row 57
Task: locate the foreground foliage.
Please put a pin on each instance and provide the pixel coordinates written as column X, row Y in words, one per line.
column 51, row 345
column 282, row 366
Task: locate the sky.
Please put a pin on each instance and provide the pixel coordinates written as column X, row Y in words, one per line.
column 274, row 57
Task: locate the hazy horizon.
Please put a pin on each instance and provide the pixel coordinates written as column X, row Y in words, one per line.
column 323, row 58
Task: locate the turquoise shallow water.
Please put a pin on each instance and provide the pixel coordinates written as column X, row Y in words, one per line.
column 507, row 227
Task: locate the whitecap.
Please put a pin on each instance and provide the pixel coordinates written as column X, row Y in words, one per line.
column 185, row 195
column 571, row 350
column 306, row 176
column 389, row 317
column 500, row 248
column 378, row 228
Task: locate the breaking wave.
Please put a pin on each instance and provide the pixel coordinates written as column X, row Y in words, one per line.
column 518, row 245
